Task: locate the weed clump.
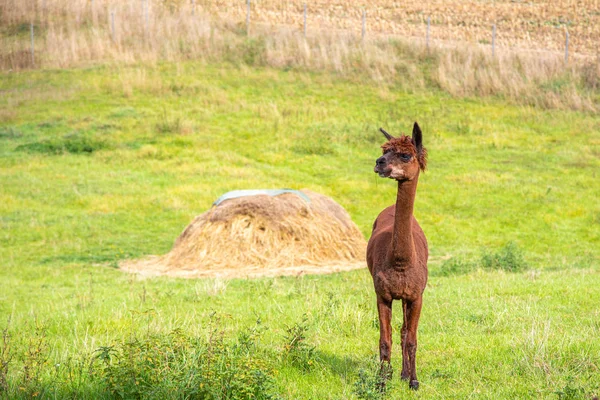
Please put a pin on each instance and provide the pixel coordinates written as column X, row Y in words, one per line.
column 456, row 266
column 74, row 143
column 9, row 132
column 296, row 350
column 5, row 359
column 372, row 382
column 253, row 51
column 572, row 391
column 168, row 125
column 21, row 373
column 35, row 360
column 160, row 365
column 509, row 258
column 149, row 366
column 315, row 146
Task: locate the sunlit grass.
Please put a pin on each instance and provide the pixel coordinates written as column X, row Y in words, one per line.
column 176, row 138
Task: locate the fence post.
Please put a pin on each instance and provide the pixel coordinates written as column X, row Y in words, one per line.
column 193, row 7
column 248, row 17
column 146, row 12
column 566, row 47
column 112, row 25
column 493, row 40
column 304, row 20
column 32, row 48
column 428, row 24
column 364, row 25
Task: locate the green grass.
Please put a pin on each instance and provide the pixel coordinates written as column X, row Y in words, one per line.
column 104, row 164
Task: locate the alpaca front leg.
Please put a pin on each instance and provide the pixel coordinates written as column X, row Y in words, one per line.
column 385, row 341
column 403, row 332
column 414, row 312
column 385, row 330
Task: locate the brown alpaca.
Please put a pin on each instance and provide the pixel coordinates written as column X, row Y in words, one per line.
column 397, row 251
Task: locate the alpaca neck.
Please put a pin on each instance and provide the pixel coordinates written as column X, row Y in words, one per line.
column 403, row 248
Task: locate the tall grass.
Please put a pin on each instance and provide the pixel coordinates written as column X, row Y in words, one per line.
column 80, row 32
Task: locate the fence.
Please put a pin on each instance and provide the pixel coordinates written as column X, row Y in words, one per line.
column 519, row 25
column 311, row 18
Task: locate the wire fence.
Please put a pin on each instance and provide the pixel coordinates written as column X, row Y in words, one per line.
column 489, row 25
column 513, row 25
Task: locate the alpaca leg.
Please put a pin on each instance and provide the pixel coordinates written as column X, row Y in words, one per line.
column 385, row 329
column 385, row 341
column 405, row 367
column 414, row 312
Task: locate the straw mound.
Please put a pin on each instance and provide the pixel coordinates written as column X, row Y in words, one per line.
column 263, row 236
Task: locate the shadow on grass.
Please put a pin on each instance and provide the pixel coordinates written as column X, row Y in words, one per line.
column 343, row 366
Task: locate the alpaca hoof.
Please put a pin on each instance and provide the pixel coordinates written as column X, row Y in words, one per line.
column 414, row 385
column 386, row 372
column 404, row 377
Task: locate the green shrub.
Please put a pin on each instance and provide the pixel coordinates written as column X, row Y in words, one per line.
column 456, row 266
column 156, row 366
column 177, row 365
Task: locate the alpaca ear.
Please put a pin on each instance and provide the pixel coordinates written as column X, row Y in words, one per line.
column 417, row 138
column 387, row 135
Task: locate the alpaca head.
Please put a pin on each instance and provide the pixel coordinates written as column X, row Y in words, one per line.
column 403, row 157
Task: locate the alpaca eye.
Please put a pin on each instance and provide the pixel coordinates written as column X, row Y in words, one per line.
column 405, row 157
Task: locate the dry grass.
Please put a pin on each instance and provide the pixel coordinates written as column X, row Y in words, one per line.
column 539, row 25
column 263, row 235
column 535, row 24
column 79, row 32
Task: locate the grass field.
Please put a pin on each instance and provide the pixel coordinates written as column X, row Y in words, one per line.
column 108, row 163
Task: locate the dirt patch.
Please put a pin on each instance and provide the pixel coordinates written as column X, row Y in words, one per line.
column 152, row 266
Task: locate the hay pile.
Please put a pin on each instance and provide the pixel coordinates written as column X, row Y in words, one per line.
column 263, row 236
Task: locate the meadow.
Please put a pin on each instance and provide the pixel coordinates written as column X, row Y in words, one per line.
column 107, row 163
